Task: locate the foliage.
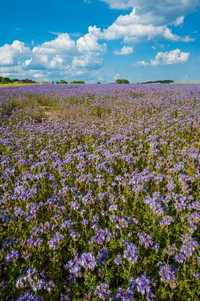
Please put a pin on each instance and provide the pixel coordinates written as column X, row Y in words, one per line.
column 62, row 81
column 78, row 82
column 159, row 82
column 122, row 81
column 6, row 80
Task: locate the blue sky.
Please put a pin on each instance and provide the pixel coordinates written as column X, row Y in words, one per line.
column 100, row 40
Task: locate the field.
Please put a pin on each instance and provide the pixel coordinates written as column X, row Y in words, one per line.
column 100, row 193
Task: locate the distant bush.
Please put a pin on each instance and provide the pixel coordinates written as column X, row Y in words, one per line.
column 62, row 81
column 26, row 81
column 122, row 81
column 78, row 82
column 166, row 81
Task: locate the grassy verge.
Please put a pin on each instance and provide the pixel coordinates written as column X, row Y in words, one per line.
column 15, row 85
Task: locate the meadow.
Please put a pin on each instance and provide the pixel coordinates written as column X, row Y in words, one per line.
column 100, row 193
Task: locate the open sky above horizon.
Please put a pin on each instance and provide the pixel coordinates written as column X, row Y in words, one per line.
column 100, row 40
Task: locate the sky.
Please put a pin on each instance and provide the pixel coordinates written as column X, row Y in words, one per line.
column 100, row 40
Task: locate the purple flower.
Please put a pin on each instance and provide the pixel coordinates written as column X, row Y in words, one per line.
column 196, row 276
column 121, row 222
column 125, row 295
column 143, row 286
column 102, row 291
column 12, row 256
column 155, row 205
column 102, row 255
column 74, row 267
column 88, row 261
column 131, row 253
column 194, row 219
column 181, row 203
column 118, row 260
column 145, row 240
column 195, row 205
column 102, row 236
column 167, row 273
column 187, row 249
column 29, row 297
column 171, row 186
column 55, row 241
column 166, row 220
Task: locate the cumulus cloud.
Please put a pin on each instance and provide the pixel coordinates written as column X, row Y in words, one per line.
column 53, row 54
column 61, row 56
column 165, row 10
column 132, row 27
column 125, row 50
column 119, row 4
column 89, row 42
column 149, row 20
column 172, row 57
column 14, row 54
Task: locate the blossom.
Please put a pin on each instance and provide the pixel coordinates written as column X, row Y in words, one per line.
column 102, row 291
column 167, row 273
column 102, row 236
column 118, row 260
column 88, row 261
column 29, row 297
column 12, row 256
column 131, row 252
column 187, row 249
column 102, row 255
column 143, row 286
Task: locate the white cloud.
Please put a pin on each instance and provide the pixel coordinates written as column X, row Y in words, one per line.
column 143, row 63
column 133, row 27
column 62, row 56
column 168, row 58
column 171, row 57
column 167, row 10
column 53, row 54
column 61, row 43
column 179, row 21
column 116, row 76
column 90, row 60
column 148, row 19
column 13, row 54
column 125, row 50
column 119, row 4
column 89, row 42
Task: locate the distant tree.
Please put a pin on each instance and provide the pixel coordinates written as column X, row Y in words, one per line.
column 62, row 81
column 27, row 81
column 5, row 80
column 166, row 81
column 98, row 83
column 78, row 82
column 122, row 81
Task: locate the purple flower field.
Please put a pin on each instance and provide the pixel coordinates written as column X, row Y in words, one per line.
column 100, row 193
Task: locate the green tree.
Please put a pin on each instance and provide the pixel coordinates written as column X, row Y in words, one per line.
column 122, row 81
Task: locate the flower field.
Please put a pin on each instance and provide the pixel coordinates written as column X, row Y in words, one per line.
column 100, row 193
